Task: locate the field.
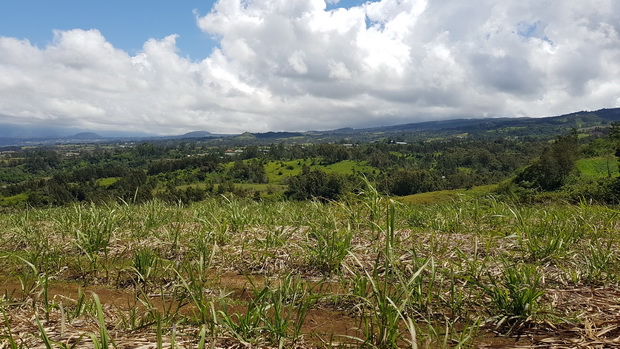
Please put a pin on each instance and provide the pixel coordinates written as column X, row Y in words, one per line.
column 278, row 171
column 597, row 167
column 363, row 272
column 443, row 196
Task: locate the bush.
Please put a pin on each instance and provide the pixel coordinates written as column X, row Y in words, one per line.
column 316, row 184
column 603, row 190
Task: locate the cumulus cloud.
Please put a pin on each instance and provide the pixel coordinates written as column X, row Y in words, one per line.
column 295, row 65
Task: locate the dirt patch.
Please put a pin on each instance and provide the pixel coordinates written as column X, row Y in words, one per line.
column 321, row 325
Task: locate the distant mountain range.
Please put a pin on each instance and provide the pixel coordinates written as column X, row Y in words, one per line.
column 85, row 135
column 578, row 120
column 506, row 127
column 92, row 137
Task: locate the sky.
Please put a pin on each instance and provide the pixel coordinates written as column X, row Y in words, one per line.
column 230, row 66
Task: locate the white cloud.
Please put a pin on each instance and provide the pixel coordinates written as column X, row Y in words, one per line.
column 293, row 65
column 338, row 70
column 297, row 61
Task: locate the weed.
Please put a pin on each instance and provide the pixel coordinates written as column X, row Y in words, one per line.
column 405, row 288
column 598, row 260
column 444, row 334
column 194, row 286
column 9, row 336
column 329, row 249
column 145, row 261
column 515, row 295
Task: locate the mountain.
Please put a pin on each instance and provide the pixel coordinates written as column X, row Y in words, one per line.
column 504, row 127
column 197, row 134
column 508, row 127
column 577, row 120
column 278, row 135
column 11, row 135
column 85, row 135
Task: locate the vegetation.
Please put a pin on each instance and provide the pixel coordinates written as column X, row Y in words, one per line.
column 552, row 168
column 189, row 173
column 366, row 271
column 450, row 242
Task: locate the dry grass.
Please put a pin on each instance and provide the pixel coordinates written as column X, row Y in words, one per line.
column 227, row 253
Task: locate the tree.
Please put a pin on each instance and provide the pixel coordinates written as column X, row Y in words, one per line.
column 252, row 171
column 614, row 137
column 316, row 184
column 134, row 187
column 554, row 165
column 41, row 160
column 407, row 182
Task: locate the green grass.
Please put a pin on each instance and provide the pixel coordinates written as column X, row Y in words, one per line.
column 515, row 294
column 444, row 196
column 106, row 182
column 262, row 188
column 13, row 200
column 278, row 171
column 598, row 167
column 348, row 167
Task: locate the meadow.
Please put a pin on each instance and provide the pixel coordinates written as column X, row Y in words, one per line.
column 471, row 270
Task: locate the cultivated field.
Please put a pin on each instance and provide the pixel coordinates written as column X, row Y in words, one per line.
column 362, row 272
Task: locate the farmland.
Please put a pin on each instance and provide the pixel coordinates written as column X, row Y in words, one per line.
column 367, row 271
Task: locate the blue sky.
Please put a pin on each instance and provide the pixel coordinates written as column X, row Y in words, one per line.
column 170, row 67
column 125, row 23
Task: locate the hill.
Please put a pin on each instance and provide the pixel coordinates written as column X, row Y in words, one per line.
column 85, row 135
column 196, row 134
column 505, row 126
column 474, row 128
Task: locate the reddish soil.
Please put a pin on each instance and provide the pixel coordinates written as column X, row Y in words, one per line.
column 595, row 314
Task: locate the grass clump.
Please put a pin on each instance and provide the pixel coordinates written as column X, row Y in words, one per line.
column 515, row 294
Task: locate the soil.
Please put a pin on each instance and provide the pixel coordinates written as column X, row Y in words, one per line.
column 595, row 324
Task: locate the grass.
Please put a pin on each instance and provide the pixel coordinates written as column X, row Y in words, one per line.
column 515, row 294
column 265, row 189
column 348, row 167
column 14, row 200
column 278, row 171
column 444, row 196
column 598, row 167
column 367, row 272
column 327, row 249
column 106, row 182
